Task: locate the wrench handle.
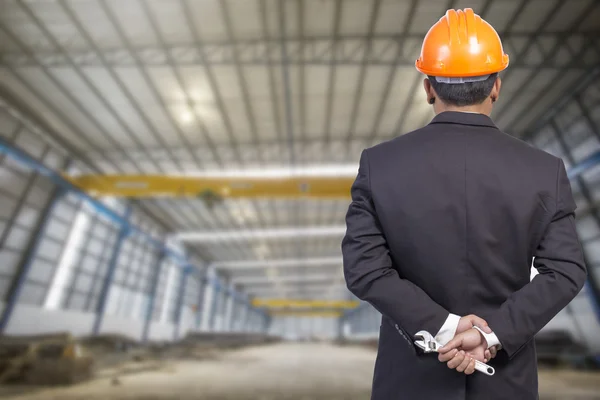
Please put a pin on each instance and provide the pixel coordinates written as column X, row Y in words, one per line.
column 486, row 369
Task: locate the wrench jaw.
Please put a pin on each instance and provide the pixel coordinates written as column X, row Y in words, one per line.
column 421, row 344
column 426, row 342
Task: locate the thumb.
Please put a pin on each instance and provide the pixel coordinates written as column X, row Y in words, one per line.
column 480, row 323
column 452, row 344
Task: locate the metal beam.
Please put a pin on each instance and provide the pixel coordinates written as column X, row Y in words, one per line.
column 525, row 110
column 281, row 263
column 64, row 184
column 287, row 90
column 261, row 234
column 561, row 43
column 535, row 126
column 382, row 49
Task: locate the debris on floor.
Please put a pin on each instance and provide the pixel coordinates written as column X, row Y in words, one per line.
column 53, row 359
column 60, row 359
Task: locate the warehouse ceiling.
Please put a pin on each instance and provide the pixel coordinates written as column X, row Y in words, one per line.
column 185, row 87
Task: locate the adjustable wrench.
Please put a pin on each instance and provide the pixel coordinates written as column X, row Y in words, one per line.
column 426, row 342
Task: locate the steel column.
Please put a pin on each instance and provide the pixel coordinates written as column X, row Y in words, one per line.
column 243, row 317
column 124, row 231
column 202, row 283
column 340, row 328
column 268, row 322
column 215, row 305
column 153, row 288
column 25, row 265
column 247, row 318
column 209, row 298
column 180, row 300
column 222, row 309
column 228, row 314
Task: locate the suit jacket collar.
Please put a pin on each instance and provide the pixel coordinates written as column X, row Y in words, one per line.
column 463, row 118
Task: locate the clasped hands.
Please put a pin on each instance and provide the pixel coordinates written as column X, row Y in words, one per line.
column 467, row 346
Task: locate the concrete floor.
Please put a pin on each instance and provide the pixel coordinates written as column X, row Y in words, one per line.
column 278, row 372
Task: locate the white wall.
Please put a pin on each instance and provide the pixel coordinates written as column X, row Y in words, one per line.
column 125, row 326
column 188, row 321
column 293, row 328
column 160, row 331
column 31, row 320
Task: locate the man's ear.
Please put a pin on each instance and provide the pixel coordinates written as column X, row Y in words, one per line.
column 429, row 91
column 495, row 94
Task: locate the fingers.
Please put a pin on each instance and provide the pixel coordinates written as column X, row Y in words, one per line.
column 463, row 365
column 493, row 352
column 470, row 368
column 453, row 344
column 488, row 354
column 479, row 322
column 457, row 360
column 447, row 356
column 461, row 362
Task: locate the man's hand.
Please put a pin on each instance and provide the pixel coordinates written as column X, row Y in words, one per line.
column 462, row 362
column 469, row 321
column 472, row 345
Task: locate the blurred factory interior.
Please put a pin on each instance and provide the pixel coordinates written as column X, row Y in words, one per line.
column 175, row 174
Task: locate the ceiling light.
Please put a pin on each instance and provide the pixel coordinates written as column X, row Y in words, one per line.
column 186, row 117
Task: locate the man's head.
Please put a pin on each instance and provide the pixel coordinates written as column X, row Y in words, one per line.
column 472, row 94
column 461, row 56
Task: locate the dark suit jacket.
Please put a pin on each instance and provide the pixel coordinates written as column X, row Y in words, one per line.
column 447, row 219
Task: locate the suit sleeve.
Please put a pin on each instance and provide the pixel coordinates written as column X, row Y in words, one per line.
column 562, row 274
column 368, row 266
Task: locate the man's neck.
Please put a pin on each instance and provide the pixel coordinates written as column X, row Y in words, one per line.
column 477, row 109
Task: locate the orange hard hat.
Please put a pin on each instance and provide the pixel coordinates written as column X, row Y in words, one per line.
column 461, row 44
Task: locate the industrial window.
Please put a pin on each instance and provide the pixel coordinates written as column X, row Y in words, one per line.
column 26, row 198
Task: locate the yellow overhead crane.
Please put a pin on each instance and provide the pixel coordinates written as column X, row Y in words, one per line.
column 307, row 314
column 305, row 304
column 210, row 188
column 305, row 308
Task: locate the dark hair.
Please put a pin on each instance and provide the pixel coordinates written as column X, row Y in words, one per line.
column 464, row 94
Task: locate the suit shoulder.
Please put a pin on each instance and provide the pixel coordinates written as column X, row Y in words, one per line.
column 394, row 143
column 527, row 149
